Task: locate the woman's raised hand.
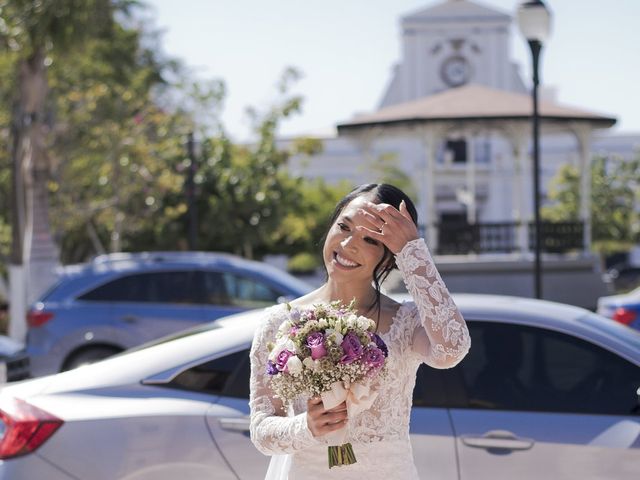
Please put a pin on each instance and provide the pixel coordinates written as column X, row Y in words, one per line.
column 387, row 224
column 321, row 421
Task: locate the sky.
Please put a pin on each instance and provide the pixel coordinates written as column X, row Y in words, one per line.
column 346, row 49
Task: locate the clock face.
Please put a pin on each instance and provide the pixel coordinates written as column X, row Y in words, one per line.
column 455, row 71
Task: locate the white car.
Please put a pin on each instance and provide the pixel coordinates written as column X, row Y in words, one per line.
column 547, row 391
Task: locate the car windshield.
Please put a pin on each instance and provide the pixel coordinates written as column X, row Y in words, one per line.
column 615, row 329
column 174, row 336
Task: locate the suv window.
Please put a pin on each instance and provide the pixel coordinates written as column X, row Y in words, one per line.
column 231, row 289
column 161, row 287
column 514, row 367
column 227, row 376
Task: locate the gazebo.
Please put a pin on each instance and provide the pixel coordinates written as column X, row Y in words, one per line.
column 472, row 110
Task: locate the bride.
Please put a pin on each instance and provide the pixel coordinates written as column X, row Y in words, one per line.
column 373, row 230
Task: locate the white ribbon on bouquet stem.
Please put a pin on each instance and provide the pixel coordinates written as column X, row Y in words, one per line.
column 359, row 397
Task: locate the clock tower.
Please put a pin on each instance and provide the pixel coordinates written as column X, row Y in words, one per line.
column 451, row 44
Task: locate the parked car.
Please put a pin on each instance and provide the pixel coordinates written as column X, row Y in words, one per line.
column 121, row 300
column 14, row 362
column 547, row 391
column 624, row 277
column 623, row 308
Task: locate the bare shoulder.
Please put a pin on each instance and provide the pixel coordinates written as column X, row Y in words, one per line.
column 307, row 300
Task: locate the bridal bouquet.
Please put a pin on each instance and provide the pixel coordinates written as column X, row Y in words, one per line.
column 331, row 351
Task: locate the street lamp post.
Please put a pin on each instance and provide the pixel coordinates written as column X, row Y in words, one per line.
column 192, row 206
column 534, row 20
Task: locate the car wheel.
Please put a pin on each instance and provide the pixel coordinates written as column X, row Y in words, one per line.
column 87, row 356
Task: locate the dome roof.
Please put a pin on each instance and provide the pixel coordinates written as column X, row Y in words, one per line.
column 473, row 103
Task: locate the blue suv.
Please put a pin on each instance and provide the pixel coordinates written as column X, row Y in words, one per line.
column 118, row 301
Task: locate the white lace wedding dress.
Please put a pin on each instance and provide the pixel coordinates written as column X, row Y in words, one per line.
column 429, row 330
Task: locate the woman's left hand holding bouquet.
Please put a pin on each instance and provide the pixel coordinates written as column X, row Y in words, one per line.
column 321, row 421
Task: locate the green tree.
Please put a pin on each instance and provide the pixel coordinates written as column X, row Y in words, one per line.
column 35, row 31
column 303, row 228
column 245, row 190
column 116, row 157
column 7, row 67
column 614, row 202
column 387, row 170
column 118, row 150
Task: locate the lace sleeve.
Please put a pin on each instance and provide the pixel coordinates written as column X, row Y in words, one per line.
column 272, row 432
column 442, row 339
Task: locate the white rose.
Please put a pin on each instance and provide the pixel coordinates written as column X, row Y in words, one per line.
column 323, row 323
column 275, row 352
column 283, row 343
column 334, row 336
column 362, row 323
column 285, row 327
column 294, row 365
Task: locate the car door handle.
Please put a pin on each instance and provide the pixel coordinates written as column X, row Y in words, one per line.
column 500, row 439
column 235, row 424
column 129, row 319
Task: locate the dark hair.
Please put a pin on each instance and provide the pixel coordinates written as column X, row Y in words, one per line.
column 379, row 193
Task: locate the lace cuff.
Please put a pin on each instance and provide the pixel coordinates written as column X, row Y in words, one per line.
column 442, row 339
column 274, row 435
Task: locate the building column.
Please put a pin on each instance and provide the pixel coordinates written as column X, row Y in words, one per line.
column 471, row 179
column 430, row 139
column 583, row 135
column 365, row 140
column 518, row 136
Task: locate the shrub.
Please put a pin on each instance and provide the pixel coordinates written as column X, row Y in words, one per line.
column 303, row 263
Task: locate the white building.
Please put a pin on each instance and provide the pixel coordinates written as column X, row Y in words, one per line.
column 476, row 177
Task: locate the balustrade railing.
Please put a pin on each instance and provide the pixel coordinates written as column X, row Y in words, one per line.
column 502, row 237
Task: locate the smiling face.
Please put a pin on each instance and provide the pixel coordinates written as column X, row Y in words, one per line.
column 349, row 254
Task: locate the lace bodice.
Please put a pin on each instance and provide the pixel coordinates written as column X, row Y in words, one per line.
column 430, row 329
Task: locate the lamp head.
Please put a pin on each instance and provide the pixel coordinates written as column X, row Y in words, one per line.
column 534, row 20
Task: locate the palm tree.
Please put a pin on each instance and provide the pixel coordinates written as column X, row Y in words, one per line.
column 39, row 30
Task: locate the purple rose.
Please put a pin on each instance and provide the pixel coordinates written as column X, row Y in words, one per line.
column 282, row 359
column 271, row 368
column 373, row 358
column 351, row 347
column 379, row 343
column 315, row 342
